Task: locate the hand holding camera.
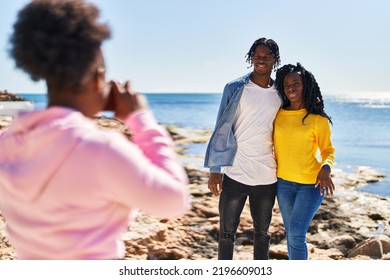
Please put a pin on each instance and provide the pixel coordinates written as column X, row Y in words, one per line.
column 123, row 101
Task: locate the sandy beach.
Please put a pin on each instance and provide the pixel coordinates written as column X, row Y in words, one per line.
column 349, row 225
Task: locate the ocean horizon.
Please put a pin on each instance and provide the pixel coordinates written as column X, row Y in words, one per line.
column 360, row 130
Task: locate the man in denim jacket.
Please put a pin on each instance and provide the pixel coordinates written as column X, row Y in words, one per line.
column 240, row 151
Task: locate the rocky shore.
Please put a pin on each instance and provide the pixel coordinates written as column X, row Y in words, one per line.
column 349, row 225
column 8, row 96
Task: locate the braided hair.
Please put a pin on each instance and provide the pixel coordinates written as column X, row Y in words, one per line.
column 271, row 44
column 312, row 97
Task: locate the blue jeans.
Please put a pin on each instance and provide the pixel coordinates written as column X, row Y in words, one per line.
column 298, row 204
column 231, row 204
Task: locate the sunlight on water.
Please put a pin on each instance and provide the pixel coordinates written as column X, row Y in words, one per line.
column 366, row 98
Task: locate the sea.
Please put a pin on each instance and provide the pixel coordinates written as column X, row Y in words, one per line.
column 360, row 130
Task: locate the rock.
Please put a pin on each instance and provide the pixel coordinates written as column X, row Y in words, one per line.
column 375, row 247
column 329, row 254
column 113, row 124
column 5, row 121
column 6, row 249
column 361, row 177
column 343, row 243
column 279, row 252
column 386, row 257
column 7, row 96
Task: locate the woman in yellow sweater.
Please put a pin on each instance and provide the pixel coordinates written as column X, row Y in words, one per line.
column 302, row 129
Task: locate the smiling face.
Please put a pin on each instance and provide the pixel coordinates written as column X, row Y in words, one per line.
column 293, row 89
column 263, row 60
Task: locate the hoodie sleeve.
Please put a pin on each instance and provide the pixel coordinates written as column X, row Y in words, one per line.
column 145, row 174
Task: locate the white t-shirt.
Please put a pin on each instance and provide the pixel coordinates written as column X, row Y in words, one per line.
column 254, row 163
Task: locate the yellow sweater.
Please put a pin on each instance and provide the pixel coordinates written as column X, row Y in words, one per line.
column 297, row 144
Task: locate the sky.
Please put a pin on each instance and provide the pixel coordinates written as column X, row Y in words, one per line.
column 181, row 46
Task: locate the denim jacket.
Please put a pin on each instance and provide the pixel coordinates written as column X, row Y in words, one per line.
column 222, row 146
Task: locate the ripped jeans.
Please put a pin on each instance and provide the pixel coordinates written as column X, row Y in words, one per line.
column 231, row 204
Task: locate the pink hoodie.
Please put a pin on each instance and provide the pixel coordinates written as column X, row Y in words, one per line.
column 68, row 188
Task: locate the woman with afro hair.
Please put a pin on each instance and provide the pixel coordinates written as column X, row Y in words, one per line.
column 67, row 187
column 301, row 129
